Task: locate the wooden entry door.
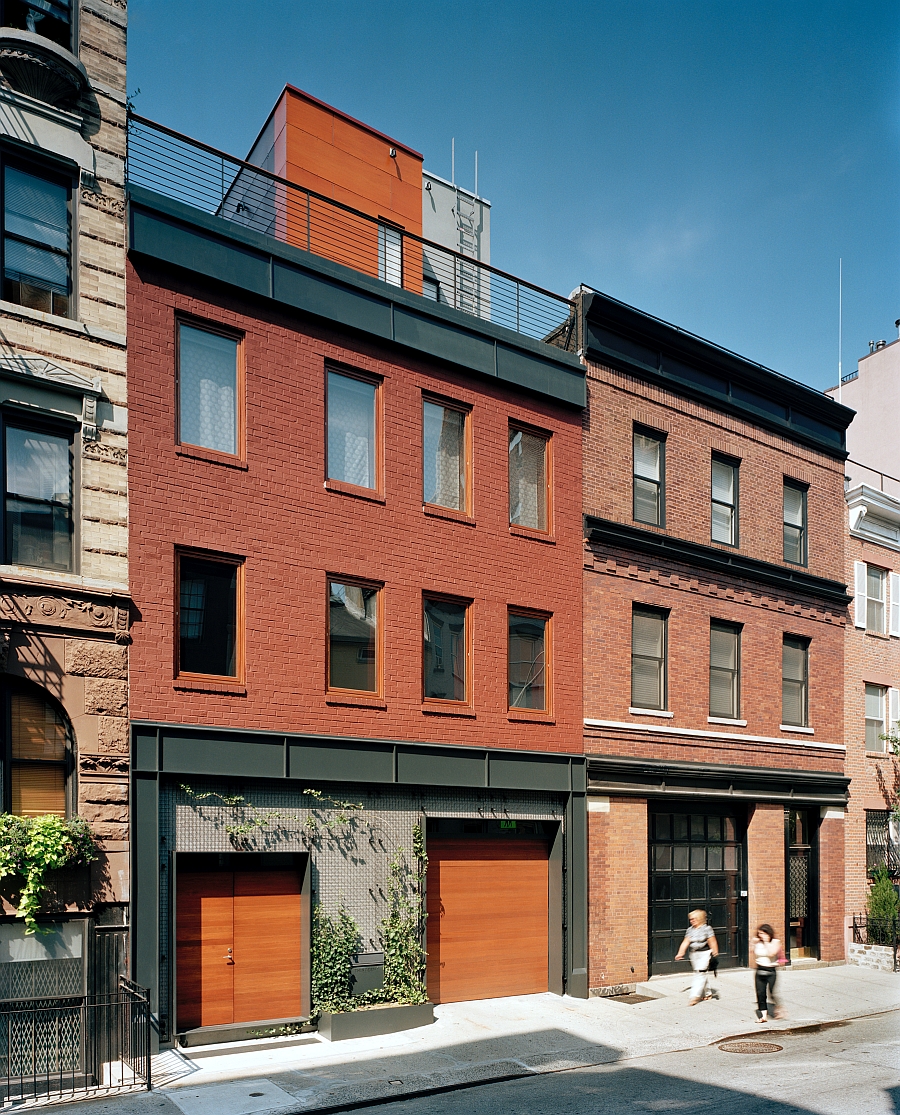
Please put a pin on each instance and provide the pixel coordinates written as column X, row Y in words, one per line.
column 238, row 941
column 488, row 908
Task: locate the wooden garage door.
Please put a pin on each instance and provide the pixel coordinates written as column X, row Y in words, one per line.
column 487, row 918
column 238, row 946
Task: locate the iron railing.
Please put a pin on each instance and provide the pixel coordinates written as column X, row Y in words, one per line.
column 216, row 183
column 877, row 931
column 53, row 1050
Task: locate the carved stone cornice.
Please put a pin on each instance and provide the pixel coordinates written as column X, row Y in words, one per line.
column 64, row 610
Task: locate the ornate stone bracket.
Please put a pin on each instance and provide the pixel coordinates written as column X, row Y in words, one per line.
column 43, row 608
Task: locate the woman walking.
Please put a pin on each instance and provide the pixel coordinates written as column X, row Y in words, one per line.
column 701, row 946
column 766, row 951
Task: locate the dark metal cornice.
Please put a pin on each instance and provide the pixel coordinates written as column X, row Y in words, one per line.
column 725, row 562
column 618, row 774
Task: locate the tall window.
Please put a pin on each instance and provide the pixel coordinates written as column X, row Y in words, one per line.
column 876, row 700
column 648, row 658
column 528, row 488
column 38, row 516
column 795, row 681
column 795, row 542
column 875, row 586
column 527, row 662
column 208, row 602
column 50, row 18
column 352, row 637
column 352, row 431
column 36, row 240
column 208, row 389
column 724, row 501
column 724, row 670
column 445, row 649
column 882, row 840
column 649, row 478
column 444, row 455
column 38, row 754
column 390, row 255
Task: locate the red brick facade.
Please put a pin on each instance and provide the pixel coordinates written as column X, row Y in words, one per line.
column 618, row 577
column 274, row 510
column 874, row 658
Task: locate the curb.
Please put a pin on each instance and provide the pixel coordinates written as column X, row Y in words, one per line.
column 443, row 1089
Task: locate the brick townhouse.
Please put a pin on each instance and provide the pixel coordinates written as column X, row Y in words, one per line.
column 355, row 527
column 714, row 620
column 872, row 649
column 64, row 607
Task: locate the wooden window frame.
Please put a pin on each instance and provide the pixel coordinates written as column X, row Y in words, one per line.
column 238, row 678
column 332, row 484
column 547, row 712
column 465, row 409
column 204, row 325
column 547, row 437
column 443, row 703
column 661, row 436
column 357, row 694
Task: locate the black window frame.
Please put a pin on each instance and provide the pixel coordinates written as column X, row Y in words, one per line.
column 735, row 466
column 51, row 173
column 663, row 615
column 803, row 643
column 54, row 428
column 881, row 850
column 734, row 629
column 660, row 437
column 803, row 489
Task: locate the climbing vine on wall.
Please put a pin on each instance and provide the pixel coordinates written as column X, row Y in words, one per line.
column 32, row 846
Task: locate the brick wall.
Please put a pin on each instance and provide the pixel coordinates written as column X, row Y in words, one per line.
column 276, row 513
column 874, row 658
column 617, row 893
column 831, row 885
column 765, row 869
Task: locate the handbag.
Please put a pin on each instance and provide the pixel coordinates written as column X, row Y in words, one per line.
column 781, row 958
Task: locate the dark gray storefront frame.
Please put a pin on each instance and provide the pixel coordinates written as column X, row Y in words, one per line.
column 160, row 749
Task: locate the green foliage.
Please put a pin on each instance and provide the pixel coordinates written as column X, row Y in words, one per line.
column 32, row 846
column 402, row 932
column 334, row 942
column 882, row 903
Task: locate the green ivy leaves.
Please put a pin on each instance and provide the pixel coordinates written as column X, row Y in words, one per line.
column 32, row 846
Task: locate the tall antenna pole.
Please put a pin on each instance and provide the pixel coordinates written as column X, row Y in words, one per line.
column 476, row 174
column 840, row 324
column 453, row 161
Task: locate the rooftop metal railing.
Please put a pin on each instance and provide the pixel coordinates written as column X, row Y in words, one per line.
column 216, row 183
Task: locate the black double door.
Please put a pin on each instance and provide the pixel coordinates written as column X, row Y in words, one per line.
column 696, row 862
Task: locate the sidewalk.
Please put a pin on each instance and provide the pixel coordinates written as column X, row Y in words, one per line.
column 487, row 1040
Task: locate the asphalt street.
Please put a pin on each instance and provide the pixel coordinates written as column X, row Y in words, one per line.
column 852, row 1068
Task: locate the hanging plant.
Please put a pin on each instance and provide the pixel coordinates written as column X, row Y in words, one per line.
column 32, row 846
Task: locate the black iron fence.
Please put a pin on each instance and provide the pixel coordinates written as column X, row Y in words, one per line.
column 58, row 1049
column 216, row 183
column 877, row 931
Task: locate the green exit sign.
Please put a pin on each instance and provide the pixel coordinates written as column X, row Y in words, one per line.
column 507, row 824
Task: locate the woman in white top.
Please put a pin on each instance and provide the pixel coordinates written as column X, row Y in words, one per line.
column 701, row 946
column 766, row 952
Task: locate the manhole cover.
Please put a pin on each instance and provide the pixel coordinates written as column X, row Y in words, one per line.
column 632, row 999
column 750, row 1047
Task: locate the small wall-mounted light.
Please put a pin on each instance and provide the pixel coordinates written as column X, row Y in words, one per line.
column 393, row 152
column 427, row 185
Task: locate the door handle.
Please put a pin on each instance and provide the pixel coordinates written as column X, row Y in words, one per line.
column 229, row 957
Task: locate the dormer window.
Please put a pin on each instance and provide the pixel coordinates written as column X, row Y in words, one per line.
column 52, row 19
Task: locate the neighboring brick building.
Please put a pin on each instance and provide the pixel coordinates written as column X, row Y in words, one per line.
column 715, row 608
column 356, row 523
column 64, row 607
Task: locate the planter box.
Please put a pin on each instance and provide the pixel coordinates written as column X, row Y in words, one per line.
column 371, row 1021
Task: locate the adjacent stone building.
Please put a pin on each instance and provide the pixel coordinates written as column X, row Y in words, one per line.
column 64, row 603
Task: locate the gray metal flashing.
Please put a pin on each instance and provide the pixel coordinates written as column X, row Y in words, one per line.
column 628, row 776
column 661, row 353
column 787, row 579
column 170, row 232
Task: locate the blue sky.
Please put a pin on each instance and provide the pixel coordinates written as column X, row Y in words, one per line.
column 708, row 161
